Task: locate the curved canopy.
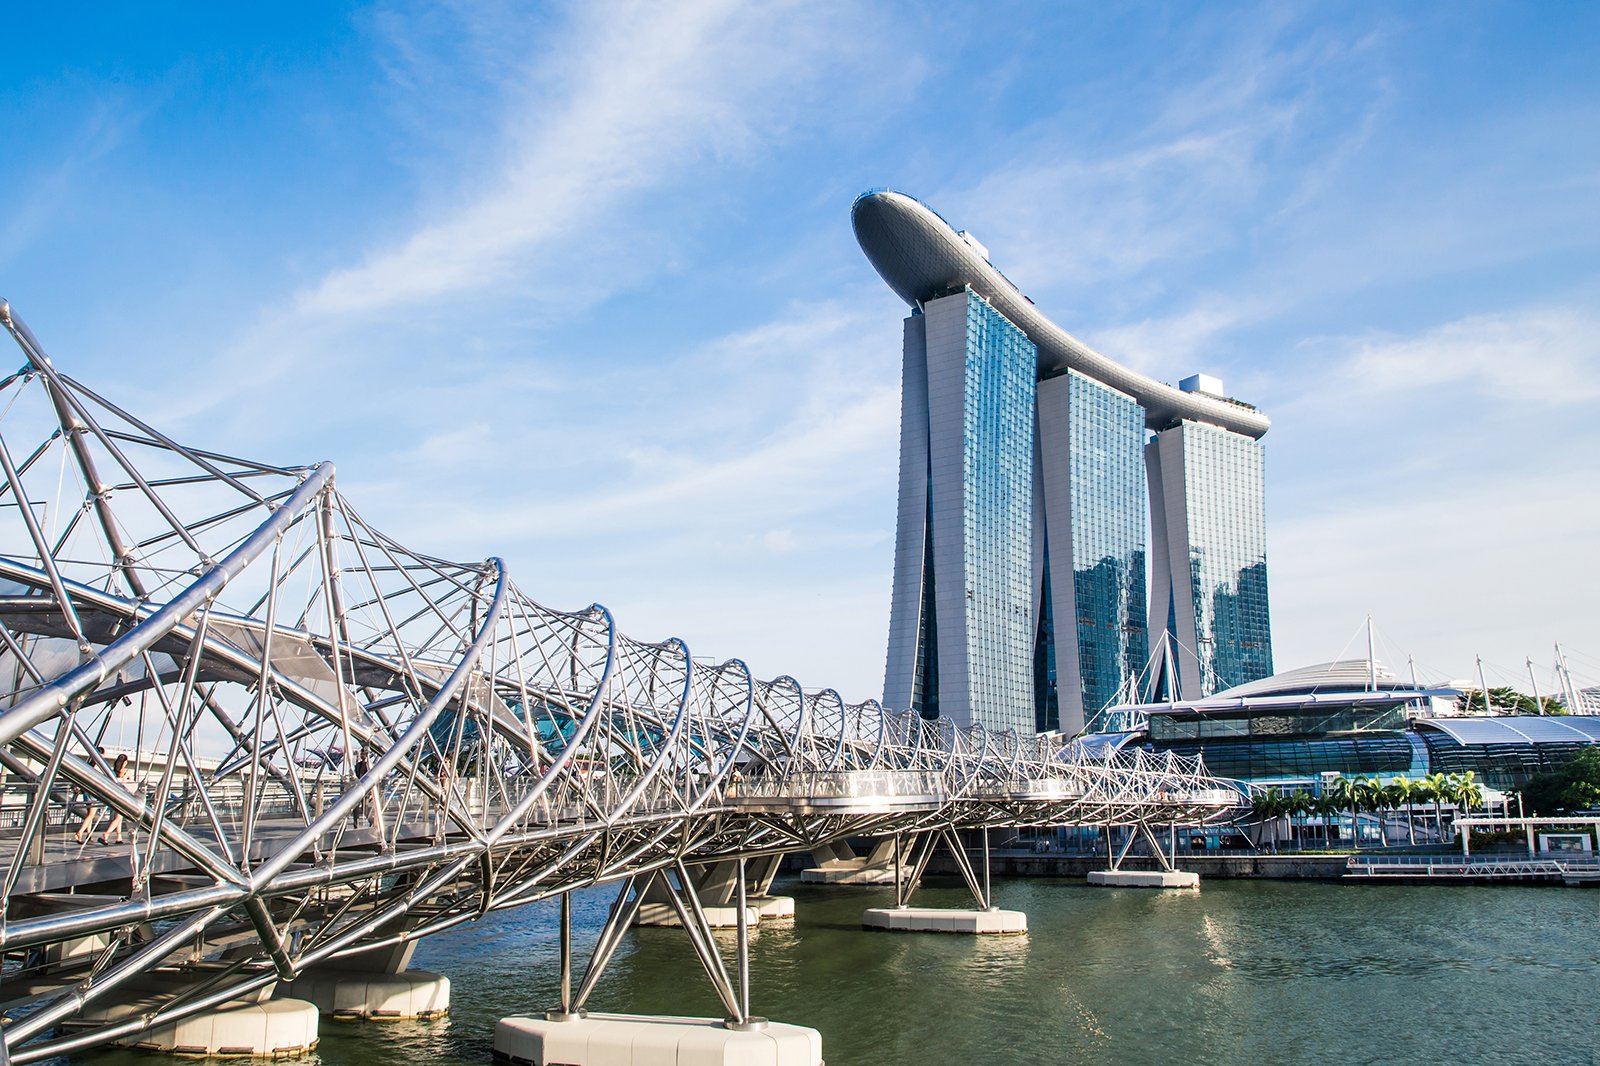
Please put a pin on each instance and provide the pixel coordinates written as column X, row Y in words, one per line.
column 1518, row 729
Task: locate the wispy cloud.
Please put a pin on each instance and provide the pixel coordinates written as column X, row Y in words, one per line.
column 1548, row 356
column 1446, row 570
column 757, row 432
column 53, row 186
column 1245, row 133
column 628, row 95
column 1170, row 346
column 585, row 122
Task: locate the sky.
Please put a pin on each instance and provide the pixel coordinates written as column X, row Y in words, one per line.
column 574, row 285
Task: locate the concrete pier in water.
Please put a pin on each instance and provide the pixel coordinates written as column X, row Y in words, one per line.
column 837, row 864
column 1145, row 878
column 353, row 994
column 715, row 885
column 642, row 1040
column 992, row 921
column 375, row 985
column 266, row 1028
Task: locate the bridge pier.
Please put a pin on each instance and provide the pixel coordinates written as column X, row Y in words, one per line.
column 987, row 919
column 837, row 864
column 241, row 1028
column 571, row 1036
column 714, row 884
column 1168, row 876
column 373, row 986
column 640, row 1040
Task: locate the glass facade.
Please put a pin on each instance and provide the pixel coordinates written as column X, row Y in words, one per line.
column 925, row 675
column 1351, row 741
column 997, row 517
column 1107, row 510
column 1046, row 683
column 1291, row 723
column 1502, row 766
column 1352, row 754
column 1223, row 486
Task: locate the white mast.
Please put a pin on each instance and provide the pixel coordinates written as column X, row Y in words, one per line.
column 1172, row 665
column 1570, row 690
column 1372, row 659
column 1488, row 708
column 1538, row 704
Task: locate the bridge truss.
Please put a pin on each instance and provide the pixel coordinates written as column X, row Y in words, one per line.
column 336, row 744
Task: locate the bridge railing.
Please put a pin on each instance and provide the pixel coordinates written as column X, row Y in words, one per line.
column 838, row 785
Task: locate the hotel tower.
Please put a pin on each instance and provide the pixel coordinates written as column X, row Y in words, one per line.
column 1031, row 468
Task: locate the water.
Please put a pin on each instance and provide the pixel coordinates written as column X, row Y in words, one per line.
column 1240, row 972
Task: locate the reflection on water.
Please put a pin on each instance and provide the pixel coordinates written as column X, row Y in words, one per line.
column 1240, row 972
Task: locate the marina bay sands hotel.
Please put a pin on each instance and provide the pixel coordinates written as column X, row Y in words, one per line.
column 1026, row 463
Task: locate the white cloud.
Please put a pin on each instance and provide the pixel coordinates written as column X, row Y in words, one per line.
column 1497, row 569
column 625, row 99
column 780, row 541
column 1173, row 346
column 50, row 191
column 1541, row 355
column 756, row 440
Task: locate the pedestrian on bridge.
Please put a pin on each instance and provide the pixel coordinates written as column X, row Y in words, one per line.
column 124, row 775
column 358, row 771
column 91, row 810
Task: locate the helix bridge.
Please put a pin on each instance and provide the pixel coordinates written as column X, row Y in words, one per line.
column 304, row 742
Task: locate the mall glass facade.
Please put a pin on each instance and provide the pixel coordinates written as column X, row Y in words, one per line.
column 1299, row 742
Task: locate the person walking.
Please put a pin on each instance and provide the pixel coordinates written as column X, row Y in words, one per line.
column 124, row 775
column 359, row 770
column 91, row 810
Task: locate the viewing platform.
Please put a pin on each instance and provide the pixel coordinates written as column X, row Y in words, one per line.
column 1400, row 868
column 1565, row 848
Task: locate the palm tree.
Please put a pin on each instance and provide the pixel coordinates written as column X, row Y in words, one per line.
column 1265, row 806
column 1466, row 791
column 1375, row 800
column 1402, row 791
column 1347, row 794
column 1301, row 804
column 1438, row 785
column 1327, row 805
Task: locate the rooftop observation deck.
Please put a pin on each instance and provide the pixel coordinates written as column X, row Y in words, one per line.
column 921, row 256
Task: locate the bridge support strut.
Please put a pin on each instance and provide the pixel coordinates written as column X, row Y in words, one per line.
column 574, row 1037
column 902, row 917
column 1168, row 876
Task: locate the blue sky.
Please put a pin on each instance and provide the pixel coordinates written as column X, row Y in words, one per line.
column 575, row 285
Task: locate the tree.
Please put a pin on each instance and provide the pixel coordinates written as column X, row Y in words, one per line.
column 1347, row 794
column 1438, row 786
column 1378, row 801
column 1402, row 792
column 1301, row 803
column 1266, row 807
column 1466, row 791
column 1574, row 786
column 1327, row 805
column 1506, row 700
